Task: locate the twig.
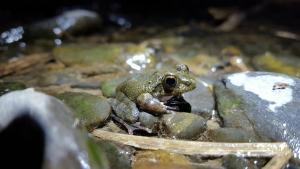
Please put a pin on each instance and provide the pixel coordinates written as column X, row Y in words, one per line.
column 195, row 147
column 236, row 18
column 20, row 64
column 279, row 160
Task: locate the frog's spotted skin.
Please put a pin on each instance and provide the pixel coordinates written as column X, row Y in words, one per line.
column 147, row 91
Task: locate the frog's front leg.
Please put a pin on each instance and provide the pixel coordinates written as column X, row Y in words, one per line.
column 150, row 104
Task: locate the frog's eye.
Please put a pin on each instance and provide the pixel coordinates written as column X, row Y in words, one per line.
column 170, row 81
column 182, row 68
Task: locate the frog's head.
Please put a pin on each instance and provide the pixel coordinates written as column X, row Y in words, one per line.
column 179, row 81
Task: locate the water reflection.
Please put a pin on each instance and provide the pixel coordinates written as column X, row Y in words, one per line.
column 139, row 61
column 12, row 35
column 120, row 21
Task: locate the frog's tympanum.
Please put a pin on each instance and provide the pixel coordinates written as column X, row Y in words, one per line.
column 149, row 91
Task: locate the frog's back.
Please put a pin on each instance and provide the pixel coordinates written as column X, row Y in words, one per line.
column 140, row 83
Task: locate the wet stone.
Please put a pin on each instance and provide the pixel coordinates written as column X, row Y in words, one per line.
column 182, row 125
column 270, row 101
column 49, row 129
column 68, row 23
column 231, row 135
column 119, row 156
column 124, row 56
column 108, row 87
column 232, row 110
column 160, row 160
column 149, row 121
column 201, row 99
column 89, row 54
column 282, row 63
column 58, row 78
column 90, row 110
column 234, row 162
column 97, row 155
column 6, row 87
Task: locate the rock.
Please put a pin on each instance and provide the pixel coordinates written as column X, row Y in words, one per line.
column 42, row 125
column 90, row 111
column 124, row 56
column 149, row 121
column 270, row 101
column 160, row 160
column 58, row 78
column 201, row 100
column 119, row 156
column 230, row 135
column 113, row 127
column 234, row 162
column 68, row 23
column 6, row 87
column 282, row 64
column 200, row 63
column 108, row 87
column 182, row 125
column 56, row 90
column 213, row 124
column 232, row 111
column 199, row 163
column 89, row 54
column 80, row 76
column 99, row 158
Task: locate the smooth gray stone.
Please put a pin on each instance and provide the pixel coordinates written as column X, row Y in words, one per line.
column 201, row 100
column 271, row 102
column 27, row 115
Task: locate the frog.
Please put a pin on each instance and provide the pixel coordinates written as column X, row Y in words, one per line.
column 148, row 92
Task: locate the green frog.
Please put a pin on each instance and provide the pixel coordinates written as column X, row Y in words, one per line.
column 148, row 92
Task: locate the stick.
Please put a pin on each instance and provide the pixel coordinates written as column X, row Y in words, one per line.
column 279, row 160
column 20, row 64
column 195, row 147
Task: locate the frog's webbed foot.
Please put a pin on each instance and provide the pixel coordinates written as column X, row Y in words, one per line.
column 131, row 128
column 148, row 103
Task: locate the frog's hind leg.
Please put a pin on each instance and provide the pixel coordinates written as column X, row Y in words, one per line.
column 126, row 111
column 131, row 128
column 125, row 108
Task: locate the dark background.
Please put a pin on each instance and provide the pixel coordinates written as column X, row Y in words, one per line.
column 14, row 12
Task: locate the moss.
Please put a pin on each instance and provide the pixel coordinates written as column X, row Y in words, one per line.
column 88, row 53
column 288, row 65
column 108, row 87
column 97, row 157
column 119, row 157
column 231, row 108
column 89, row 109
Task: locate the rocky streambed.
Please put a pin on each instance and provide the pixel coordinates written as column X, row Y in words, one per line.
column 247, row 91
